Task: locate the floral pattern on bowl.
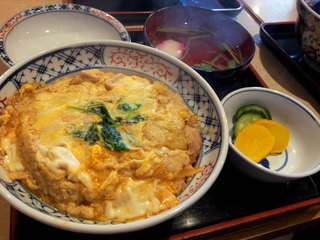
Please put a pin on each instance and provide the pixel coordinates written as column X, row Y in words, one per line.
column 308, row 28
column 128, row 58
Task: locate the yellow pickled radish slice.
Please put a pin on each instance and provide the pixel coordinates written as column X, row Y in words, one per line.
column 280, row 133
column 255, row 142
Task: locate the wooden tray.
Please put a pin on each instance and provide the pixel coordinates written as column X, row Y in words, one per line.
column 233, row 201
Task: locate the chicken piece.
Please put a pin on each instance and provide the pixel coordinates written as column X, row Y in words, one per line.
column 92, row 75
column 109, row 83
column 164, row 134
column 193, row 142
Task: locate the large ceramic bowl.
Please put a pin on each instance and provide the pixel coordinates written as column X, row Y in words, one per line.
column 302, row 156
column 129, row 58
column 45, row 27
column 209, row 41
column 308, row 29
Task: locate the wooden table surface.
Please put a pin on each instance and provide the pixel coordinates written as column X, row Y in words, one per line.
column 273, row 73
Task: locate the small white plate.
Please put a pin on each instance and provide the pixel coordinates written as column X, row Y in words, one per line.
column 35, row 30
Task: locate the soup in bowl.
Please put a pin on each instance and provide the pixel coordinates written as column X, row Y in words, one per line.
column 205, row 40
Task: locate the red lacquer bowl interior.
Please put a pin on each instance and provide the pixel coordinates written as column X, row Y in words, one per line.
column 210, row 31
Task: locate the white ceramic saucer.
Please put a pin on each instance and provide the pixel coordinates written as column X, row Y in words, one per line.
column 35, row 30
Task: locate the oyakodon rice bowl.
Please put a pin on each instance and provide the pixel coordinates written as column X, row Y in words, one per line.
column 99, row 147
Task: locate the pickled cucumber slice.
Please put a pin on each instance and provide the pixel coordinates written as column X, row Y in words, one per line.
column 257, row 107
column 245, row 119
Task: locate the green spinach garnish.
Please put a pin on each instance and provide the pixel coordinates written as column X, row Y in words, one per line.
column 127, row 107
column 112, row 139
column 100, row 110
column 104, row 131
column 135, row 119
column 78, row 131
column 92, row 135
column 130, row 109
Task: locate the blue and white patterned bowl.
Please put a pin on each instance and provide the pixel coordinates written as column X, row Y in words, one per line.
column 302, row 156
column 45, row 27
column 134, row 59
column 307, row 29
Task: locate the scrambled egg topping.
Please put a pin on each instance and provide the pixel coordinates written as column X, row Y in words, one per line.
column 100, row 145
